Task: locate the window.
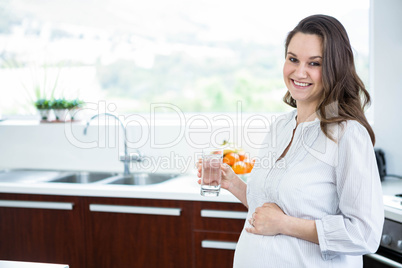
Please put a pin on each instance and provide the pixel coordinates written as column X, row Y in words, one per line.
column 201, row 56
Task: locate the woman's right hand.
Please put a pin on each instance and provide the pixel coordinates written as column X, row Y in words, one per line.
column 228, row 175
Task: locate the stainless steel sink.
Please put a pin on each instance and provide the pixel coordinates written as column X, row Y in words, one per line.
column 142, row 178
column 84, row 177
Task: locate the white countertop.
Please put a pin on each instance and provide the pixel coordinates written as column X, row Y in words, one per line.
column 390, row 187
column 18, row 264
column 181, row 188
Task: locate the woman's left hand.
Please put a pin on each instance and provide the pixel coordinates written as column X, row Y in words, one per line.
column 267, row 220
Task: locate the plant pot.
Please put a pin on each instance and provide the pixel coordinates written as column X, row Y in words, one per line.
column 60, row 114
column 75, row 113
column 44, row 114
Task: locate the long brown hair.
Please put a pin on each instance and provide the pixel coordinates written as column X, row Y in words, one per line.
column 344, row 95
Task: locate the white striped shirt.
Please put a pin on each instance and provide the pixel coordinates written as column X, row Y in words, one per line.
column 335, row 184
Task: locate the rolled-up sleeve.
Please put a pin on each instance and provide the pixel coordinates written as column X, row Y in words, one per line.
column 357, row 227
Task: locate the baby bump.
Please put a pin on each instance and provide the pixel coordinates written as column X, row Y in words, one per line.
column 268, row 251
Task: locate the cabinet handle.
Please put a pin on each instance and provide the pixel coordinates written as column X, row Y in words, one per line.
column 218, row 244
column 384, row 260
column 36, row 204
column 135, row 210
column 223, row 214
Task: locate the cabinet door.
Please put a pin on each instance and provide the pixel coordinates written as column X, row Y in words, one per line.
column 139, row 233
column 217, row 227
column 214, row 249
column 41, row 229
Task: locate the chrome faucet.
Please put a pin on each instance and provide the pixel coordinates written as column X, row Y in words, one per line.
column 126, row 158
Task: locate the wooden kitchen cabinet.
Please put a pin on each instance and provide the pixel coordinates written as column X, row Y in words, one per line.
column 214, row 249
column 217, row 227
column 118, row 232
column 138, row 233
column 162, row 233
column 42, row 228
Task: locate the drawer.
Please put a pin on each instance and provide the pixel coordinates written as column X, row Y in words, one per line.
column 219, row 217
column 214, row 249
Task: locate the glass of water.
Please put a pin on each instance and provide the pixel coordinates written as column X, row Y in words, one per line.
column 211, row 171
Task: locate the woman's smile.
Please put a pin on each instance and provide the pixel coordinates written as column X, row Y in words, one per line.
column 300, row 85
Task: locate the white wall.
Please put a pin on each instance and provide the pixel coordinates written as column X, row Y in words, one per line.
column 386, row 78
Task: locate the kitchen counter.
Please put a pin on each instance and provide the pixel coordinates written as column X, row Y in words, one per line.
column 390, row 187
column 181, row 188
column 18, row 264
column 184, row 187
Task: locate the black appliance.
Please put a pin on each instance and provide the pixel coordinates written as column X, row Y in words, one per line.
column 382, row 167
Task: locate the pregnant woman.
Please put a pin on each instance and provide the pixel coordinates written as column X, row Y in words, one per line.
column 320, row 203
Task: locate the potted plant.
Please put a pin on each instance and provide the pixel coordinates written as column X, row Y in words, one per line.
column 43, row 106
column 74, row 106
column 59, row 107
column 43, row 93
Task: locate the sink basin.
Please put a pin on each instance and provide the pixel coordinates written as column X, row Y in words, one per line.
column 84, row 177
column 143, row 178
